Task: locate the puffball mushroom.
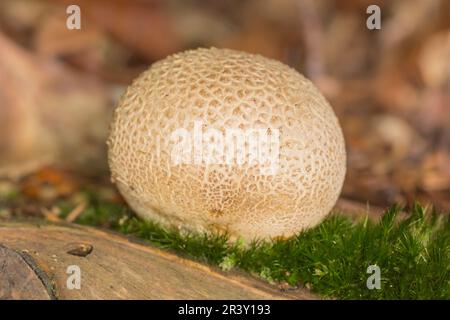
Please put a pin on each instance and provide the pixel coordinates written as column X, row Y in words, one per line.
column 214, row 140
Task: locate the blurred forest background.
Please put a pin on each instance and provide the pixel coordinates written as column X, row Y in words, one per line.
column 390, row 88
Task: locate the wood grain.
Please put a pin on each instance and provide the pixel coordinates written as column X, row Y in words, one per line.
column 112, row 267
column 18, row 279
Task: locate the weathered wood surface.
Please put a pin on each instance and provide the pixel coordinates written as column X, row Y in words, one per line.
column 34, row 258
column 18, row 280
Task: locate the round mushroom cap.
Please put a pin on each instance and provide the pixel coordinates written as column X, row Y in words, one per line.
column 214, row 140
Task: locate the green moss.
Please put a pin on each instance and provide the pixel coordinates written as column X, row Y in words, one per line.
column 332, row 259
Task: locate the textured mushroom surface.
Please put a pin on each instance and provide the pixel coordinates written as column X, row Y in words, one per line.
column 207, row 188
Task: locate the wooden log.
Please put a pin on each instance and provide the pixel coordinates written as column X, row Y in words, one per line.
column 18, row 279
column 40, row 260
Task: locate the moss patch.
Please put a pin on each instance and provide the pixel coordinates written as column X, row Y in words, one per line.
column 332, row 259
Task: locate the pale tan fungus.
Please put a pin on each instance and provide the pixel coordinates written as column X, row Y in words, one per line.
column 227, row 89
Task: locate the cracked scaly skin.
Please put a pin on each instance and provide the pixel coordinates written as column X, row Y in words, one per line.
column 227, row 89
